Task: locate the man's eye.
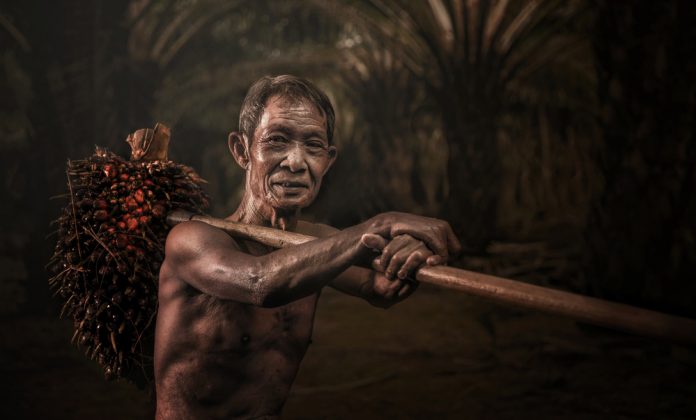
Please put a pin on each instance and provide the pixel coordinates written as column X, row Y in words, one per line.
column 277, row 139
column 315, row 145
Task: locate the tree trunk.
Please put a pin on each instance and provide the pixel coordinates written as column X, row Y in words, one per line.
column 641, row 238
column 473, row 173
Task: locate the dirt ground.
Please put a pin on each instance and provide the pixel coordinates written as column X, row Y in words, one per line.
column 439, row 355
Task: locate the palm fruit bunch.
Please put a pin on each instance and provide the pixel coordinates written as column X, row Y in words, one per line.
column 110, row 246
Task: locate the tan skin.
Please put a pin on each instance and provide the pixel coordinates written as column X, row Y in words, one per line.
column 235, row 318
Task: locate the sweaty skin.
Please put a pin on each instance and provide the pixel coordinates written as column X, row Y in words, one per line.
column 235, row 318
column 221, row 358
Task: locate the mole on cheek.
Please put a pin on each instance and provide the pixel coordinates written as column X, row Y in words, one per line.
column 245, row 339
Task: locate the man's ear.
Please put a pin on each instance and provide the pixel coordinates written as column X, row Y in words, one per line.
column 238, row 148
column 333, row 153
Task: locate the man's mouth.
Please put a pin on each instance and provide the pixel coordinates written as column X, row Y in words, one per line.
column 291, row 184
column 291, row 187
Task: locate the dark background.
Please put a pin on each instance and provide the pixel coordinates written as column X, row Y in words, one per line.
column 556, row 137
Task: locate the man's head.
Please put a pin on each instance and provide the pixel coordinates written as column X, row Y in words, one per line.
column 284, row 142
column 286, row 86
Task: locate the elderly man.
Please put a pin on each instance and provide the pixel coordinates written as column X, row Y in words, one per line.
column 235, row 318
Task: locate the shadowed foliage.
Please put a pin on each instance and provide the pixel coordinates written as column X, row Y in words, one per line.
column 484, row 66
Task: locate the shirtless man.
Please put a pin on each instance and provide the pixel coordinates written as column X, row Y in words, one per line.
column 235, row 318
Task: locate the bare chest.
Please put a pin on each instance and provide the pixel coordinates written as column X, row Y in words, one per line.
column 225, row 326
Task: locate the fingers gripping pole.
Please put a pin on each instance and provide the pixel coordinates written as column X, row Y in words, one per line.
column 582, row 308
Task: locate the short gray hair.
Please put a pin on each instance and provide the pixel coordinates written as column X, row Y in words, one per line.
column 285, row 86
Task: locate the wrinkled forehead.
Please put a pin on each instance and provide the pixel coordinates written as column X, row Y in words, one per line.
column 300, row 112
column 294, row 104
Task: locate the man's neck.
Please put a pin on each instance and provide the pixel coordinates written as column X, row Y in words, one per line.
column 254, row 212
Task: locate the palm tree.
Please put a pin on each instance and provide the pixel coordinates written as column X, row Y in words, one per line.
column 481, row 62
column 382, row 151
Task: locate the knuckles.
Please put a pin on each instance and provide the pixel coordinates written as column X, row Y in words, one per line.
column 433, row 236
column 419, row 254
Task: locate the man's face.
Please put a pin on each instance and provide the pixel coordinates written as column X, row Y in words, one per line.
column 289, row 154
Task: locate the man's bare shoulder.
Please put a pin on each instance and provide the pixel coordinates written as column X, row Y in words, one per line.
column 195, row 237
column 319, row 230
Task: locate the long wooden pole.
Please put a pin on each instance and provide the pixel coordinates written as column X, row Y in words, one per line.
column 582, row 308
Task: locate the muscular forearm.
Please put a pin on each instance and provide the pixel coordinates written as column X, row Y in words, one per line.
column 294, row 272
column 209, row 260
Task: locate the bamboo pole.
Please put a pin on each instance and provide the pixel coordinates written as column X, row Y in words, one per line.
column 595, row 311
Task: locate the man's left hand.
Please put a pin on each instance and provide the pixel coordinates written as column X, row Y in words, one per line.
column 397, row 264
column 400, row 257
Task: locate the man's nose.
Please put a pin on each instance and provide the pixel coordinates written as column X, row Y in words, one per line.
column 295, row 160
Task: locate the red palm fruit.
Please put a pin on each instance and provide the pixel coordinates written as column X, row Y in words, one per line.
column 132, row 224
column 110, row 171
column 101, row 215
column 139, row 196
column 158, row 210
column 121, row 241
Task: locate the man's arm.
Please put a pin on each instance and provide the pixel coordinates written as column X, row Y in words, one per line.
column 210, row 260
